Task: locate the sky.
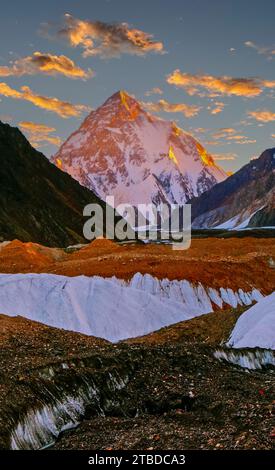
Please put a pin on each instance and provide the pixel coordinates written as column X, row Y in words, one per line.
column 207, row 65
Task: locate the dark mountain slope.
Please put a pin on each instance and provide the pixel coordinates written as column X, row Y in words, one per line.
column 245, row 198
column 38, row 201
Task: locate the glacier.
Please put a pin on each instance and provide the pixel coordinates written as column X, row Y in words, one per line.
column 256, row 327
column 253, row 359
column 112, row 308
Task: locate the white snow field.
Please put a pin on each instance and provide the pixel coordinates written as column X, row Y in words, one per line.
column 256, row 327
column 111, row 308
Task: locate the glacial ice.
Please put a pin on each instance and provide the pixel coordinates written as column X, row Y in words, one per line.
column 111, row 308
column 248, row 359
column 256, row 327
column 42, row 423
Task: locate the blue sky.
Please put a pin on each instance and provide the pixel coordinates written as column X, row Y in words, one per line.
column 207, row 41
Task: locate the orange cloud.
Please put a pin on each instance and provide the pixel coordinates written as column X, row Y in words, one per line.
column 107, row 39
column 62, row 108
column 236, row 137
column 218, row 108
column 215, row 143
column 223, row 132
column 38, row 134
column 9, row 92
column 164, row 106
column 229, row 134
column 269, row 83
column 200, row 130
column 224, row 156
column 240, row 139
column 47, row 64
column 262, row 115
column 247, row 87
column 35, row 127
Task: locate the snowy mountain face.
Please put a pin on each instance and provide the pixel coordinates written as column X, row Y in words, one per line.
column 123, row 151
column 245, row 199
column 111, row 308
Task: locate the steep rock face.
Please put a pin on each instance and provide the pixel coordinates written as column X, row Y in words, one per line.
column 265, row 217
column 39, row 202
column 244, row 199
column 123, row 151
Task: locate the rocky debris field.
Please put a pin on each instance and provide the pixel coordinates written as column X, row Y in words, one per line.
column 233, row 262
column 166, row 395
column 212, row 328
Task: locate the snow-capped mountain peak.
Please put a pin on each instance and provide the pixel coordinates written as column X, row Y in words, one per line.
column 124, row 151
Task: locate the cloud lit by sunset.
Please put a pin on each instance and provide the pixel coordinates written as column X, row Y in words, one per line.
column 246, row 87
column 44, row 63
column 262, row 115
column 55, row 105
column 107, row 39
column 163, row 105
column 62, row 61
column 39, row 134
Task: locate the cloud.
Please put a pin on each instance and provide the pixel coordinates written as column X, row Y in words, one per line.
column 164, row 106
column 214, row 143
column 35, row 127
column 47, row 64
column 230, row 135
column 223, row 132
column 200, row 130
column 107, row 39
column 236, row 137
column 218, row 107
column 154, row 91
column 267, row 51
column 62, row 108
column 38, row 134
column 269, row 83
column 224, row 156
column 246, row 141
column 219, row 86
column 262, row 115
column 240, row 139
column 9, row 92
column 273, row 136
